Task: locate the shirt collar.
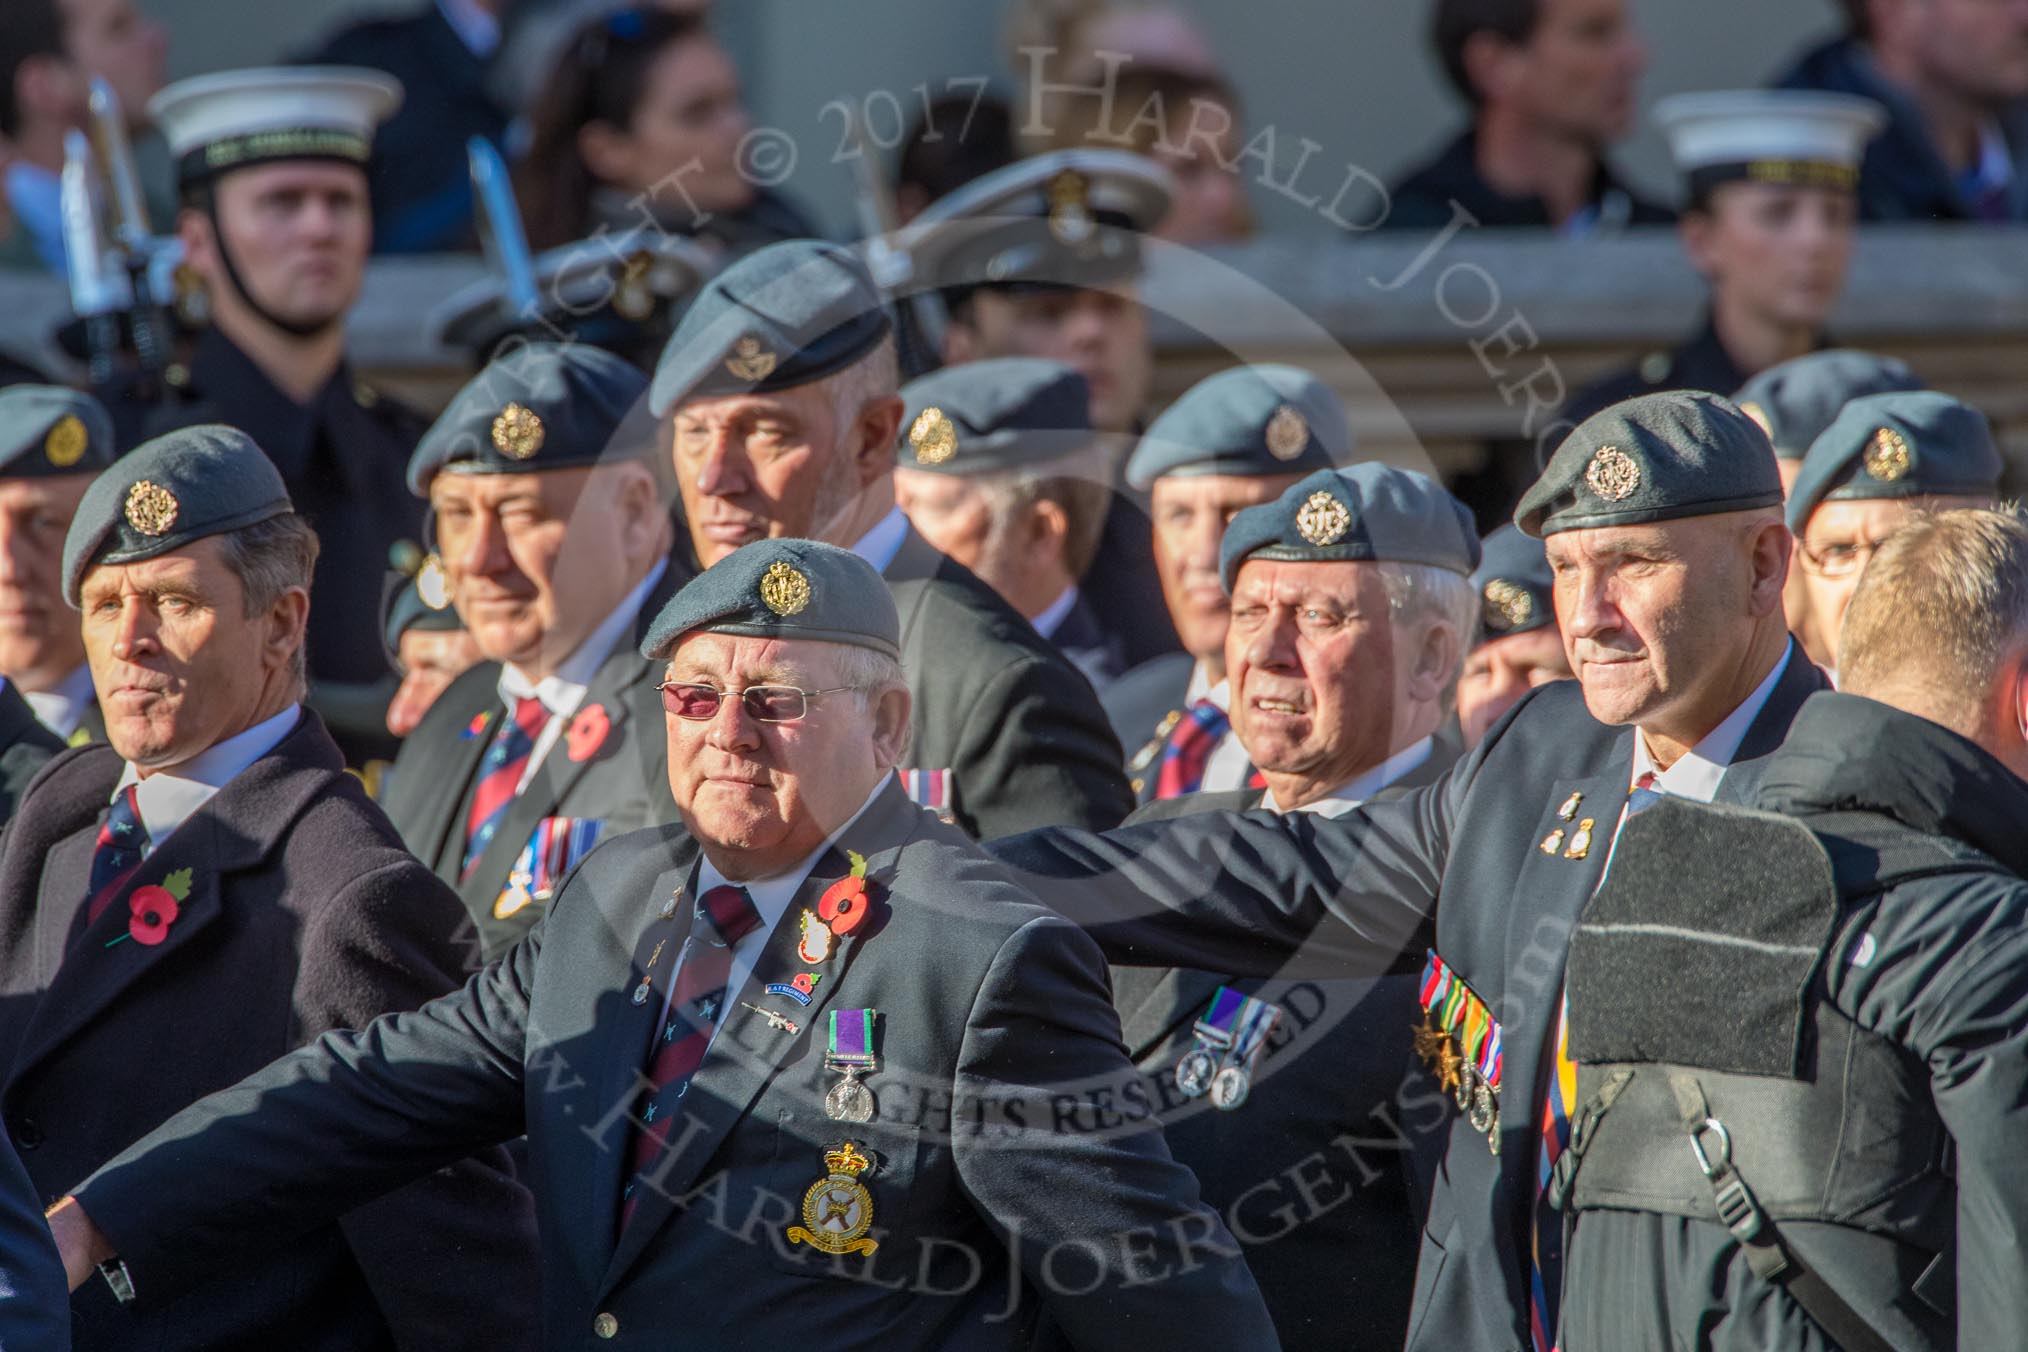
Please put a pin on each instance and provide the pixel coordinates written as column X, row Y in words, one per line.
column 771, row 896
column 168, row 798
column 62, row 709
column 1696, row 775
column 1052, row 616
column 475, row 27
column 1200, row 687
column 563, row 689
column 1361, row 787
column 879, row 545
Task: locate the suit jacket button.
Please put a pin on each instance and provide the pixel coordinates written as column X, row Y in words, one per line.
column 27, row 1133
column 605, row 1326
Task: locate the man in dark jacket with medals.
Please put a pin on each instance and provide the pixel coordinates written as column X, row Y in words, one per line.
column 1802, row 1080
column 1661, row 518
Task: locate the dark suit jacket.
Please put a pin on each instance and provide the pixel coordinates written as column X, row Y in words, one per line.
column 624, row 784
column 1089, row 646
column 988, row 1147
column 1018, row 728
column 25, row 747
column 303, row 915
column 1359, row 894
column 1319, row 1162
column 1140, row 705
column 34, row 1311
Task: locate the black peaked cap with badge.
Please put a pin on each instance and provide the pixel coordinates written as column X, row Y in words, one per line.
column 47, row 430
column 1658, row 457
column 1002, row 413
column 783, row 316
column 170, row 492
column 783, row 589
column 1903, row 444
column 1516, row 590
column 538, row 407
column 1795, row 400
column 1246, row 422
column 1370, row 513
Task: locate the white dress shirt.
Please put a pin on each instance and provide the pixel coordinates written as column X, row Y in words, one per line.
column 879, row 545
column 564, row 689
column 770, row 897
column 1359, row 788
column 62, row 709
column 168, row 798
column 1696, row 775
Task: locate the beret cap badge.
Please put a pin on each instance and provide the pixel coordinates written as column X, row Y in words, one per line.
column 1287, row 433
column 1508, row 607
column 750, row 360
column 518, row 432
column 1887, row 456
column 934, row 438
column 150, row 508
column 1612, row 474
column 1323, row 519
column 66, row 442
column 784, row 589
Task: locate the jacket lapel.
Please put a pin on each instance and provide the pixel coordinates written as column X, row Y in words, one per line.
column 553, row 779
column 232, row 832
column 440, row 834
column 1770, row 727
column 747, row 1052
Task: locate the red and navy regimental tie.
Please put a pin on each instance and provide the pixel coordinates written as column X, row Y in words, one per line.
column 723, row 917
column 1545, row 1273
column 500, row 777
column 1189, row 749
column 122, row 838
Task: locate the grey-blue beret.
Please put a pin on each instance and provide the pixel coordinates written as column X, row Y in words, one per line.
column 47, row 430
column 998, row 414
column 1248, row 421
column 537, row 407
column 783, row 589
column 1796, row 400
column 1904, row 444
column 1516, row 591
column 1368, row 513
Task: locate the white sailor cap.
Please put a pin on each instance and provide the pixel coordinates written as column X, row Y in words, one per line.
column 1065, row 218
column 237, row 118
column 1789, row 137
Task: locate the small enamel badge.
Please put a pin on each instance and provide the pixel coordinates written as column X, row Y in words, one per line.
column 1553, row 842
column 1580, row 841
column 1569, row 807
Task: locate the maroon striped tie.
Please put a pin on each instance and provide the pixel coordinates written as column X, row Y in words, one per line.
column 725, row 915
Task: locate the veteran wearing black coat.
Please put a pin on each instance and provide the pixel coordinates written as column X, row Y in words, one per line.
column 733, row 1206
column 165, row 931
column 25, row 747
column 34, row 1313
column 1495, row 860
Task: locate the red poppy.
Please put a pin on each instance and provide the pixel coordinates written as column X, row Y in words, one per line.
column 806, row 982
column 154, row 909
column 588, row 732
column 844, row 904
column 477, row 725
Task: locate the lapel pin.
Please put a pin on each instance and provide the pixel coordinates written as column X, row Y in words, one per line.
column 781, row 1023
column 1580, row 840
column 1569, row 808
column 1553, row 842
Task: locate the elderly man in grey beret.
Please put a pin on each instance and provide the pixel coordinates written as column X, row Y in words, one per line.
column 53, row 441
column 210, row 889
column 806, row 1003
column 1661, row 517
column 779, row 393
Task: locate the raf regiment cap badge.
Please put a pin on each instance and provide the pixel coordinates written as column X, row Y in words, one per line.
column 151, row 509
column 1612, row 474
column 65, row 444
column 1508, row 607
column 1323, row 519
column 784, row 589
column 1069, row 212
column 432, row 585
column 837, row 1209
column 1888, row 456
column 1287, row 433
column 518, row 432
column 633, row 292
column 750, row 360
column 933, row 437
